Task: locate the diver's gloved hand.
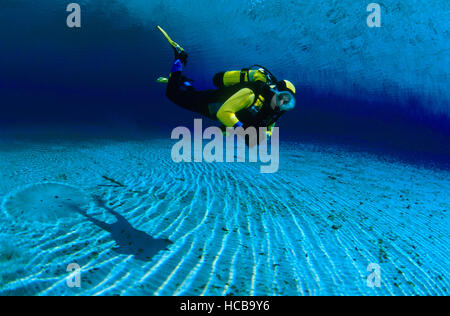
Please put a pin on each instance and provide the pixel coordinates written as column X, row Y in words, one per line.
column 181, row 55
column 223, row 128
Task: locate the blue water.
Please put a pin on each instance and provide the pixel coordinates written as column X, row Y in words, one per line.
column 364, row 158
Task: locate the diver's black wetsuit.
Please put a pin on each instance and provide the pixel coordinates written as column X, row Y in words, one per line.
column 188, row 97
column 208, row 102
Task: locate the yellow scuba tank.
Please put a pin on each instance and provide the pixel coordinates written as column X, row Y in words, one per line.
column 233, row 77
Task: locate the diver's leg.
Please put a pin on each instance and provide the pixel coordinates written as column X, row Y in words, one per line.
column 179, row 90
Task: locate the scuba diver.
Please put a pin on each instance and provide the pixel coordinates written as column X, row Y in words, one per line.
column 246, row 98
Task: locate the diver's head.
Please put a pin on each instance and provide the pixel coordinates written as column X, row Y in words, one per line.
column 284, row 96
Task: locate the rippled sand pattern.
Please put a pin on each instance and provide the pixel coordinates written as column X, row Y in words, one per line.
column 310, row 229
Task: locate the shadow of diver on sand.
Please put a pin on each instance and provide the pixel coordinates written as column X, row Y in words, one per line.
column 129, row 240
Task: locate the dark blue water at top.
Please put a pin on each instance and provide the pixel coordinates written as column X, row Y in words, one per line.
column 385, row 86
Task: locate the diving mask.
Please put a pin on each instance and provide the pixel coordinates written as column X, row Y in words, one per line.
column 285, row 100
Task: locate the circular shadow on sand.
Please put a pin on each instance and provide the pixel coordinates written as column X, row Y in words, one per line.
column 44, row 202
column 41, row 205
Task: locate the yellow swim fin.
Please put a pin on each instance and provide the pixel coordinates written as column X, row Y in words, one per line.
column 171, row 42
column 162, row 80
